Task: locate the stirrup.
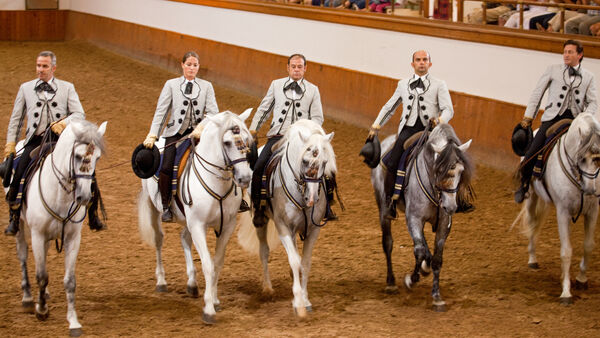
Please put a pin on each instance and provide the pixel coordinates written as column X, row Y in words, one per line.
column 244, row 206
column 167, row 216
column 390, row 212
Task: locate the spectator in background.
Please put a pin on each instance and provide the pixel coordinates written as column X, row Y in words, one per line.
column 532, row 12
column 493, row 12
column 581, row 23
column 554, row 23
column 355, row 4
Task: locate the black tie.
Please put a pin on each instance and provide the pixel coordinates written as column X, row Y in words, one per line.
column 295, row 87
column 573, row 72
column 417, row 84
column 44, row 86
column 188, row 88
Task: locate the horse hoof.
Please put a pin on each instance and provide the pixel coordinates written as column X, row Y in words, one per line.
column 268, row 292
column 42, row 316
column 425, row 269
column 218, row 307
column 581, row 286
column 191, row 290
column 309, row 308
column 566, row 301
column 534, row 266
column 75, row 332
column 391, row 290
column 300, row 312
column 209, row 319
column 407, row 282
column 28, row 306
column 439, row 307
column 161, row 288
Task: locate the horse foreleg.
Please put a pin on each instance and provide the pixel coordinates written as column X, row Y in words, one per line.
column 295, row 265
column 307, row 248
column 22, row 251
column 564, row 231
column 261, row 233
column 415, row 228
column 72, row 242
column 39, row 246
column 220, row 258
column 591, row 215
column 387, row 242
column 436, row 262
column 535, row 213
column 198, row 232
column 186, row 243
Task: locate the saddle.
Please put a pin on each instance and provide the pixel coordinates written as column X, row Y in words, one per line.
column 552, row 135
column 410, row 148
column 37, row 156
column 265, row 188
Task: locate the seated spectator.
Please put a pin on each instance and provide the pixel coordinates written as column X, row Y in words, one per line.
column 380, row 6
column 581, row 23
column 595, row 29
column 493, row 12
column 532, row 12
column 355, row 4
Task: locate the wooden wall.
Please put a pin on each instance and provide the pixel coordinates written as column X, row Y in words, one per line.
column 33, row 25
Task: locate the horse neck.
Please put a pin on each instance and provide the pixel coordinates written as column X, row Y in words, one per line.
column 209, row 149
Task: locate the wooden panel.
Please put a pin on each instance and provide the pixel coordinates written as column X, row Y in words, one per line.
column 33, row 25
column 347, row 95
column 527, row 39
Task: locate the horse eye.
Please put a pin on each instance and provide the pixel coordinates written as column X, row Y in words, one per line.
column 453, row 167
column 227, row 143
column 304, row 162
column 78, row 157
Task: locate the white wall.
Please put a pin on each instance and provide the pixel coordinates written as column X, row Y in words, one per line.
column 502, row 73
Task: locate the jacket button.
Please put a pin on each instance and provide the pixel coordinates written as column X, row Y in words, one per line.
column 561, row 96
column 39, row 104
column 280, row 119
column 197, row 111
column 406, row 117
column 183, row 112
column 180, row 121
column 564, row 87
column 283, row 111
column 198, row 120
column 408, row 107
column 297, row 104
column 410, row 97
column 299, row 114
column 185, row 103
column 421, row 98
column 54, row 104
column 36, row 114
column 423, row 107
column 195, row 103
column 577, row 101
column 426, row 117
column 57, row 115
column 577, row 91
column 559, row 104
column 287, row 103
column 35, row 125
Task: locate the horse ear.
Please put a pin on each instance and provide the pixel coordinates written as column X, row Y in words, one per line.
column 243, row 116
column 329, row 136
column 102, row 128
column 437, row 148
column 213, row 120
column 463, row 147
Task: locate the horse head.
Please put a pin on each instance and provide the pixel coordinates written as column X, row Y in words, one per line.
column 583, row 140
column 235, row 144
column 78, row 149
column 452, row 168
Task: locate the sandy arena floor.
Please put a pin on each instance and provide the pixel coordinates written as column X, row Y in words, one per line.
column 485, row 280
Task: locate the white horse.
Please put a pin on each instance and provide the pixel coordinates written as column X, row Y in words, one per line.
column 210, row 190
column 569, row 182
column 298, row 204
column 54, row 208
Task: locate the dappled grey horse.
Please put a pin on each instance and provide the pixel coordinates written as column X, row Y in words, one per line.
column 438, row 173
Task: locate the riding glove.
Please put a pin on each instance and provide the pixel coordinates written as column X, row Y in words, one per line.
column 149, row 141
column 58, row 126
column 9, row 149
column 373, row 131
column 197, row 132
column 526, row 122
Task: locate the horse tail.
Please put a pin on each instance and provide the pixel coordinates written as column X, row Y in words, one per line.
column 248, row 239
column 148, row 218
column 531, row 217
column 519, row 218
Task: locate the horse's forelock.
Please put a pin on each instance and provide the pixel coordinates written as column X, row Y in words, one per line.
column 450, row 155
column 87, row 132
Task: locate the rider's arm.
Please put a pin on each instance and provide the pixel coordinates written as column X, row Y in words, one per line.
column 264, row 110
column 389, row 108
column 536, row 96
column 162, row 109
column 210, row 107
column 445, row 103
column 591, row 102
column 316, row 109
column 17, row 117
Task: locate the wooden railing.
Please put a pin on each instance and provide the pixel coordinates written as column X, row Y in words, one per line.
column 561, row 6
column 422, row 5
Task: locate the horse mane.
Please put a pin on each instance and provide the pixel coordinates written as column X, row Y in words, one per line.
column 450, row 155
column 87, row 132
column 589, row 130
column 226, row 120
column 300, row 134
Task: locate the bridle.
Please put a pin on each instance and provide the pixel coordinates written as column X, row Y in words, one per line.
column 434, row 197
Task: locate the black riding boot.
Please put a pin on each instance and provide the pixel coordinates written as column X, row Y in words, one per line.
column 164, row 185
column 13, row 224
column 244, row 206
column 521, row 193
column 259, row 219
column 94, row 221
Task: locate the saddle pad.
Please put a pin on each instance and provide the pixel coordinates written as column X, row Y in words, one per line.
column 551, row 139
column 268, row 173
column 413, row 139
column 37, row 155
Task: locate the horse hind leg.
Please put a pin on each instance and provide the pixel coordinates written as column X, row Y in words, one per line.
column 151, row 233
column 421, row 253
column 261, row 233
column 22, row 250
column 40, row 250
column 566, row 251
column 387, row 242
column 535, row 212
column 581, row 281
column 186, row 243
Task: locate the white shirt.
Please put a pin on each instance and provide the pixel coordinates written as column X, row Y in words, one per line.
column 416, row 78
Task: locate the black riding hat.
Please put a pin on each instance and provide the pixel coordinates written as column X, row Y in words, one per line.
column 371, row 151
column 521, row 139
column 6, row 170
column 144, row 161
